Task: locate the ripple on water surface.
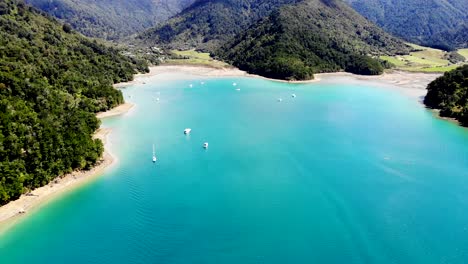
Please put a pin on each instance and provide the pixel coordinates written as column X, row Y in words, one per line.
column 342, row 173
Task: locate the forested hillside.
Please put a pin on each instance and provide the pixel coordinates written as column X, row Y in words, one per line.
column 436, row 23
column 52, row 82
column 310, row 37
column 111, row 19
column 207, row 24
column 449, row 93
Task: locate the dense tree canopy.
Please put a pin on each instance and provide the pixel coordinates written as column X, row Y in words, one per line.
column 449, row 93
column 52, row 81
column 436, row 23
column 207, row 24
column 312, row 36
column 111, row 19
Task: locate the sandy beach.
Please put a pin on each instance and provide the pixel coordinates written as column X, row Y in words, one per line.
column 119, row 110
column 27, row 203
column 412, row 84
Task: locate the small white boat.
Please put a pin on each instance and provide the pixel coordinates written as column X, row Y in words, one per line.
column 280, row 100
column 293, row 95
column 202, row 83
column 238, row 89
column 191, row 85
column 234, row 84
column 157, row 99
column 205, row 145
column 187, row 131
column 154, row 155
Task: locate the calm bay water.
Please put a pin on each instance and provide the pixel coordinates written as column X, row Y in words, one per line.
column 343, row 173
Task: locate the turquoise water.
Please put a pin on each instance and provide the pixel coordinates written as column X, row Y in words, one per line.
column 343, row 173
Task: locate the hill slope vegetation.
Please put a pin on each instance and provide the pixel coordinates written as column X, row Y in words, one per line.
column 312, row 36
column 206, row 24
column 449, row 93
column 52, row 81
column 436, row 23
column 111, row 19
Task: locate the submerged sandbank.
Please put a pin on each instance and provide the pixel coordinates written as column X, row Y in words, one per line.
column 411, row 84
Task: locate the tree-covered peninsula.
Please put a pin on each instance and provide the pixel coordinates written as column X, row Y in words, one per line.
column 52, row 82
column 449, row 93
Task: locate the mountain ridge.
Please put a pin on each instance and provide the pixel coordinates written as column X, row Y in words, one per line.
column 111, row 19
column 434, row 23
column 312, row 36
column 206, row 24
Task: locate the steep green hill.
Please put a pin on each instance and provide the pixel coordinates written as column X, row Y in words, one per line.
column 436, row 23
column 206, row 24
column 111, row 19
column 52, row 81
column 449, row 93
column 309, row 37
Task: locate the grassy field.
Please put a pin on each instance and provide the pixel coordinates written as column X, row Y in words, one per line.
column 192, row 57
column 424, row 60
column 464, row 53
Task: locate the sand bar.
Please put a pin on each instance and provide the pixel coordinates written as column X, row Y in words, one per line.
column 118, row 110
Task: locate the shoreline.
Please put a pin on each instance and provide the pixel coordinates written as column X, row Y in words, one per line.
column 16, row 210
column 201, row 71
column 412, row 84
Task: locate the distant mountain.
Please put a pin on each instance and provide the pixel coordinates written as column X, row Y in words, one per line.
column 206, row 24
column 449, row 93
column 312, row 36
column 436, row 23
column 52, row 81
column 111, row 19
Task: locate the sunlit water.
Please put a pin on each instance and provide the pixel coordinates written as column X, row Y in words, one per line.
column 346, row 172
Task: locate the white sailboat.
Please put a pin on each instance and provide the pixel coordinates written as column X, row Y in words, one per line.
column 154, row 155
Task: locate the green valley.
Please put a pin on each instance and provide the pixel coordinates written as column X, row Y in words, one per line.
column 424, row 59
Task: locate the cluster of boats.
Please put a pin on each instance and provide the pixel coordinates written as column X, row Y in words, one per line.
column 292, row 95
column 186, row 132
